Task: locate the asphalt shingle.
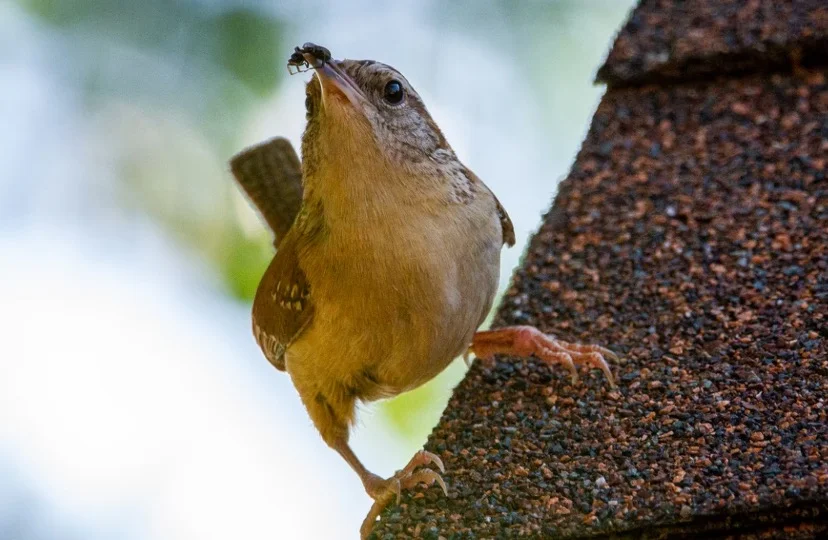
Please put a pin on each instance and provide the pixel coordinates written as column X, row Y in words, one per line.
column 692, row 237
column 668, row 40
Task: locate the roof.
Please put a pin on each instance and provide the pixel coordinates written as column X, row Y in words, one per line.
column 690, row 237
column 690, row 39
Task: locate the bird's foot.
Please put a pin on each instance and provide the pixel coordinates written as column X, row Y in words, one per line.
column 384, row 491
column 529, row 341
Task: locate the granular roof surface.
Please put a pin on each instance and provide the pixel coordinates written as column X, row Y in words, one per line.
column 688, row 39
column 691, row 237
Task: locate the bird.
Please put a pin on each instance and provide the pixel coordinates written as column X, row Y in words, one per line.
column 387, row 258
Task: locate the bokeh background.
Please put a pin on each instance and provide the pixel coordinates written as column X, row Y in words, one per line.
column 134, row 403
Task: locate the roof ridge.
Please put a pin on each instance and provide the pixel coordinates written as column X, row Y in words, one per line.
column 668, row 41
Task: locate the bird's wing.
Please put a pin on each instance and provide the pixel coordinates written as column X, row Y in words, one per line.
column 271, row 175
column 505, row 224
column 505, row 221
column 283, row 306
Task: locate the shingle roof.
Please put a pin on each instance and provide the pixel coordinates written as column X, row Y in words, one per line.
column 690, row 39
column 690, row 236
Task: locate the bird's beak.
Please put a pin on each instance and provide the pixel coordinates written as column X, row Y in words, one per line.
column 337, row 84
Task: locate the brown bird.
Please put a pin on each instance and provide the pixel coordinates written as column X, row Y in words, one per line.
column 387, row 259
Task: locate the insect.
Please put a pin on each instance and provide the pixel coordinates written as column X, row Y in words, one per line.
column 297, row 59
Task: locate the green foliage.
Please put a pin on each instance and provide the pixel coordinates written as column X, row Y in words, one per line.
column 61, row 12
column 198, row 72
column 245, row 46
column 415, row 413
column 243, row 263
column 241, row 41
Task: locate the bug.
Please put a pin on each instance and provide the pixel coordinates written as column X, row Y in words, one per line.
column 297, row 59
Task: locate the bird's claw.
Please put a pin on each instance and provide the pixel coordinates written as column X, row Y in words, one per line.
column 553, row 350
column 406, row 478
column 409, row 477
column 529, row 341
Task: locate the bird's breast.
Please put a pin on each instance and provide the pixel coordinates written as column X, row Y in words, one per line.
column 404, row 297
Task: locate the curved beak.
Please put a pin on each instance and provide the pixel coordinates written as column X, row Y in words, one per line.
column 336, row 83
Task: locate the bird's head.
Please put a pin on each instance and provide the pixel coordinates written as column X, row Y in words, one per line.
column 363, row 114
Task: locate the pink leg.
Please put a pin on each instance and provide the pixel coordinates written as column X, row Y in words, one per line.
column 529, row 341
column 384, row 491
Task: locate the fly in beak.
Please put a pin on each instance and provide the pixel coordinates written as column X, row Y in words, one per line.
column 336, row 83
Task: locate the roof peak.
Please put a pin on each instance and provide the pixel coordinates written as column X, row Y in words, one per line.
column 673, row 40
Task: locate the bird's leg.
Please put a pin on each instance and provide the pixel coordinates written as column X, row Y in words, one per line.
column 383, row 491
column 331, row 413
column 529, row 341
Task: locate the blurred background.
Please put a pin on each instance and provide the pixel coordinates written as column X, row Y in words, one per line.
column 134, row 403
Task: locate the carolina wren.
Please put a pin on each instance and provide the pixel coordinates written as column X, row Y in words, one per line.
column 387, row 259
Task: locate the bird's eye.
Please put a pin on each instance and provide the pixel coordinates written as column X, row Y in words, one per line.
column 393, row 92
column 308, row 105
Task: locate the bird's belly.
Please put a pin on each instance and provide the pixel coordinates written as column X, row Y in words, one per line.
column 404, row 324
